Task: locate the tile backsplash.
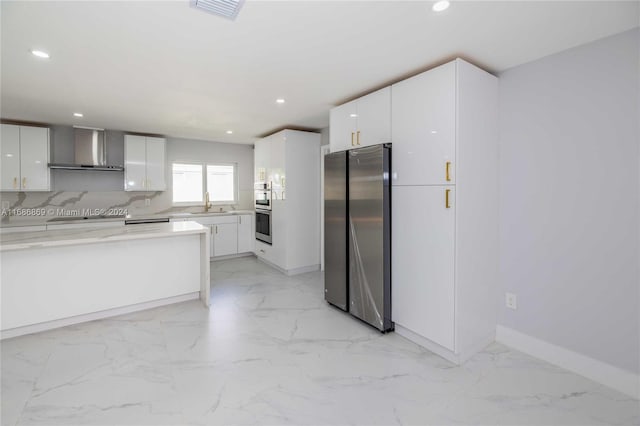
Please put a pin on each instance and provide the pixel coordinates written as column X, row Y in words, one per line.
column 30, row 205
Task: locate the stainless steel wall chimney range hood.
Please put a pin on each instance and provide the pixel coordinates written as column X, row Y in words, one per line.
column 90, row 152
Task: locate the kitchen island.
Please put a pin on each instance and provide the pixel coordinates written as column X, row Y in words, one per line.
column 56, row 278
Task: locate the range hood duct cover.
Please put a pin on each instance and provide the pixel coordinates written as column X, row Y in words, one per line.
column 90, row 151
column 90, row 147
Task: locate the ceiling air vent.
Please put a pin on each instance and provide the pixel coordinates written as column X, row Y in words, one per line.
column 226, row 8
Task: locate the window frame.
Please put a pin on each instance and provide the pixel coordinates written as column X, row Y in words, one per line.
column 203, row 172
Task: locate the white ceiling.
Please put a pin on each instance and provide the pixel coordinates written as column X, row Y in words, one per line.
column 164, row 67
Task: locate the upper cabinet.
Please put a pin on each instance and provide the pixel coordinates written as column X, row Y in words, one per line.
column 423, row 120
column 362, row 122
column 144, row 159
column 25, row 158
column 276, row 171
column 262, row 155
column 343, row 126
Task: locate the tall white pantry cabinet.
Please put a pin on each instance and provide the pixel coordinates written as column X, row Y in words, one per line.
column 445, row 209
column 290, row 162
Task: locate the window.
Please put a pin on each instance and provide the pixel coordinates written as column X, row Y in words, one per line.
column 189, row 183
column 221, row 183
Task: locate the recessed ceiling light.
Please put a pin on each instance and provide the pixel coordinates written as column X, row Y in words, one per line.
column 229, row 132
column 78, row 114
column 441, row 5
column 353, row 115
column 280, row 101
column 40, row 54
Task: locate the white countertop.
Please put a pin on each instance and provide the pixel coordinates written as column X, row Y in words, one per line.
column 26, row 221
column 66, row 237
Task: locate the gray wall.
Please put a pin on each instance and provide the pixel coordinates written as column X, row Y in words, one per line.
column 569, row 199
column 324, row 136
column 186, row 150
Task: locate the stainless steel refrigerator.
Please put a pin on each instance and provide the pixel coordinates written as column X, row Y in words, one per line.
column 358, row 233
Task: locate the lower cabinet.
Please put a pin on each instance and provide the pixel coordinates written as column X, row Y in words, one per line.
column 224, row 239
column 231, row 234
column 423, row 251
column 246, row 236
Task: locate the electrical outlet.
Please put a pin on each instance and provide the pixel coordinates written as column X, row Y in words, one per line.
column 511, row 301
column 147, row 202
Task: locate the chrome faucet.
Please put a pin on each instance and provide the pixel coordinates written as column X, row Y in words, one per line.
column 207, row 203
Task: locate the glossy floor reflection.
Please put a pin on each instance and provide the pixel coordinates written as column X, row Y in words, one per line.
column 271, row 351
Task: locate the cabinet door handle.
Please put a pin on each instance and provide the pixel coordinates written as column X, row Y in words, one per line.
column 216, row 229
column 15, row 183
column 352, row 135
column 358, row 138
column 448, row 171
column 446, row 198
column 240, row 219
column 24, row 182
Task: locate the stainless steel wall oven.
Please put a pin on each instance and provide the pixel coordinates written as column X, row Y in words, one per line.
column 263, row 225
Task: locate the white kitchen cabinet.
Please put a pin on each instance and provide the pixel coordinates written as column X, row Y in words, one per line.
column 265, row 252
column 230, row 234
column 10, row 151
column 343, row 126
column 155, row 164
column 246, row 235
column 225, row 238
column 293, row 166
column 25, row 158
column 277, row 169
column 135, row 159
column 423, row 268
column 374, row 118
column 262, row 158
column 444, row 260
column 144, row 159
column 424, row 128
column 362, row 122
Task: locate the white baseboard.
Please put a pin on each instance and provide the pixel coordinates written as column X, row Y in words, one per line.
column 457, row 358
column 294, row 271
column 303, row 270
column 598, row 371
column 49, row 325
column 231, row 256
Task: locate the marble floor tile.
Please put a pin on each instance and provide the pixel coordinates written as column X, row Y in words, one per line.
column 271, row 351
